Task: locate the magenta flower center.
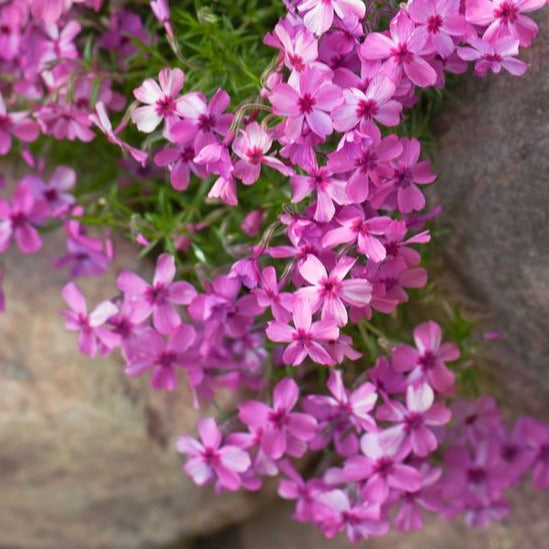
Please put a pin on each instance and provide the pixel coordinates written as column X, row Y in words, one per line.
column 165, row 106
column 367, row 161
column 492, row 57
column 413, row 421
column 391, row 248
column 279, row 418
column 157, row 294
column 51, row 194
column 434, row 23
column 404, row 177
column 543, row 454
column 427, row 360
column 366, row 109
column 84, row 323
column 402, row 54
column 507, row 12
column 383, row 466
column 302, row 336
column 187, row 155
column 296, row 61
column 206, row 122
column 5, row 121
column 210, row 456
column 123, row 327
column 509, row 452
column 476, row 475
column 306, row 103
column 330, row 287
column 349, row 517
column 18, row 220
column 166, row 359
column 255, row 155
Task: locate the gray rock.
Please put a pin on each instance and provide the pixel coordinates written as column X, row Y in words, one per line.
column 87, row 456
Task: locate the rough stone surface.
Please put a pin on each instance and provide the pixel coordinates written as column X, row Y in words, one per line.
column 87, row 455
column 493, row 167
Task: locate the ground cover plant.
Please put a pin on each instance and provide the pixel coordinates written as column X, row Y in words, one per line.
column 267, row 157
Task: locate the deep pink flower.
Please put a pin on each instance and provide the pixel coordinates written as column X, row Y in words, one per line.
column 306, row 338
column 279, row 422
column 354, row 227
column 210, row 459
column 477, row 420
column 19, row 220
column 536, row 436
column 161, row 101
column 328, row 190
column 158, row 299
column 504, row 17
column 300, row 49
column 330, row 292
column 15, row 123
column 54, row 192
column 269, row 295
column 402, row 51
column 376, row 103
column 415, row 418
column 319, row 14
column 149, row 350
column 442, row 21
column 427, row 362
column 93, row 334
column 494, row 55
column 252, row 146
column 308, row 98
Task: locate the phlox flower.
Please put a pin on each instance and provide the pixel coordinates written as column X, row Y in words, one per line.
column 375, row 103
column 381, row 464
column 210, row 459
column 13, row 17
column 308, row 98
column 202, row 119
column 101, row 119
column 149, row 350
column 536, row 436
column 336, row 513
column 16, row 124
column 161, row 10
column 305, row 338
column 329, row 191
column 355, row 227
column 478, row 419
column 442, row 21
column 330, row 292
column 252, row 146
column 161, row 101
column 402, row 189
column 281, row 426
column 159, row 298
column 269, row 295
column 300, row 48
column 504, row 17
column 493, row 55
column 19, row 219
column 54, row 191
column 93, row 335
column 427, row 361
column 402, row 50
column 386, row 379
column 415, row 418
column 319, row 14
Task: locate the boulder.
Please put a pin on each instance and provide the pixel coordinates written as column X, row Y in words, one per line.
column 87, row 456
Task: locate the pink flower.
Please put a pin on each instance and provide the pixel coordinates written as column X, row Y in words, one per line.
column 415, row 418
column 402, row 50
column 427, row 362
column 402, row 188
column 54, row 192
column 300, row 49
column 19, row 218
column 93, row 335
column 354, row 227
column 375, row 103
column 269, row 295
column 308, row 98
column 360, row 520
column 149, row 350
column 329, row 190
column 251, row 147
column 442, row 21
column 504, row 17
column 494, row 55
column 280, row 424
column 202, row 119
column 306, row 338
column 158, row 299
column 536, row 436
column 101, row 119
column 331, row 292
column 17, row 124
column 210, row 459
column 161, row 101
column 319, row 14
column 161, row 10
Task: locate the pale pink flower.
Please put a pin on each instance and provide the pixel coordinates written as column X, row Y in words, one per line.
column 319, row 14
column 17, row 124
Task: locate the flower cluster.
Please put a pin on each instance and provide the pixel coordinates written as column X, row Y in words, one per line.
column 340, row 250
